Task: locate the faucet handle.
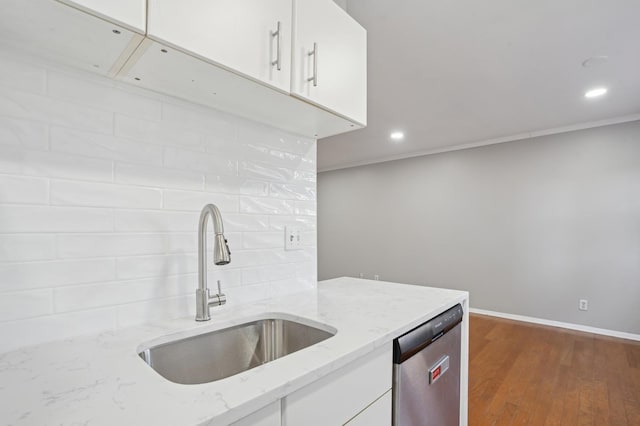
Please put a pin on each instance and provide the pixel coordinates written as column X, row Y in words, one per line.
column 220, row 298
column 217, row 299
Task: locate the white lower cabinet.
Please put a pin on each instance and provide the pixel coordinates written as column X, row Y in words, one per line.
column 377, row 414
column 358, row 394
column 345, row 395
column 267, row 416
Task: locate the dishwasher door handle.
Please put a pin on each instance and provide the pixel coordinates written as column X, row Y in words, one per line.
column 438, row 369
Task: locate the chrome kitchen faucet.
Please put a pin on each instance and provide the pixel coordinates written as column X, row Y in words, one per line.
column 221, row 256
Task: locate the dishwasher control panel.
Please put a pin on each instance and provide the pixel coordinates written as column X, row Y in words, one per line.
column 412, row 342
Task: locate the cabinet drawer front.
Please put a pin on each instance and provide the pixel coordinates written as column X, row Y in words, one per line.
column 341, row 395
column 377, row 414
column 267, row 416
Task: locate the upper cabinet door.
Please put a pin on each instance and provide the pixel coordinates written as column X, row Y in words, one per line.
column 330, row 59
column 131, row 14
column 248, row 37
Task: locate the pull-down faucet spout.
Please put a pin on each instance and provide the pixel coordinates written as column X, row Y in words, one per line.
column 221, row 256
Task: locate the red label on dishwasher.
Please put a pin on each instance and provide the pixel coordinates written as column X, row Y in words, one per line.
column 436, row 373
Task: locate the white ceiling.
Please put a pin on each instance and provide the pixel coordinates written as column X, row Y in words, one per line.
column 452, row 73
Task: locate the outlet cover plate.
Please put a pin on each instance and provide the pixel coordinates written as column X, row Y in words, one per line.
column 292, row 238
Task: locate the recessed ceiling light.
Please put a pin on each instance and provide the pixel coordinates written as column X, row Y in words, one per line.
column 397, row 136
column 594, row 93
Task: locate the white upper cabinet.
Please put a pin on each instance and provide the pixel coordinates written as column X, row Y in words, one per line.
column 248, row 37
column 330, row 59
column 131, row 14
column 69, row 35
column 298, row 65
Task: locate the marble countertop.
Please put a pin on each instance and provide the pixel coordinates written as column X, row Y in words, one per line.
column 101, row 380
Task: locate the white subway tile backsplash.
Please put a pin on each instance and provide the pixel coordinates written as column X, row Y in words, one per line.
column 25, row 247
column 161, row 133
column 109, row 245
column 192, row 160
column 271, row 156
column 154, row 266
column 291, row 285
column 21, row 76
column 104, row 195
column 25, row 304
column 134, row 174
column 217, row 128
column 252, row 169
column 186, row 242
column 23, row 190
column 228, row 276
column 155, row 309
column 300, row 256
column 104, row 96
column 265, row 205
column 51, row 164
column 22, row 276
column 24, row 133
column 28, row 219
column 309, row 238
column 106, row 147
column 263, row 135
column 248, row 294
column 261, row 257
column 245, row 222
column 74, row 298
column 256, row 240
column 302, row 222
column 308, row 163
column 31, row 331
column 293, row 191
column 309, row 160
column 304, row 176
column 54, row 111
column 155, row 221
column 268, row 273
column 101, row 188
column 194, row 201
column 307, row 208
column 236, row 185
column 306, row 270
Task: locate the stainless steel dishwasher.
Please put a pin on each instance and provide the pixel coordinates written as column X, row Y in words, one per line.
column 426, row 372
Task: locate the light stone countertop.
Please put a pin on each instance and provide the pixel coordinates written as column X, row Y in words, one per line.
column 101, row 380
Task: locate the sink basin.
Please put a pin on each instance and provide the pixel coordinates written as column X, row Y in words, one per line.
column 222, row 353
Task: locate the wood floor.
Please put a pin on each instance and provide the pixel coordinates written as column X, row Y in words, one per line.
column 526, row 374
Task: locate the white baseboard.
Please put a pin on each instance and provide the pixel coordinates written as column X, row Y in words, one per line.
column 570, row 326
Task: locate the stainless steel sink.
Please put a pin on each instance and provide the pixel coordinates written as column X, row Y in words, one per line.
column 222, row 353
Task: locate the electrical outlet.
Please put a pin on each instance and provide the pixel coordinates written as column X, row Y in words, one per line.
column 361, row 275
column 584, row 305
column 292, row 238
column 376, row 277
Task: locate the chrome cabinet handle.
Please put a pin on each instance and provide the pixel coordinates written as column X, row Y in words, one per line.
column 314, row 52
column 275, row 34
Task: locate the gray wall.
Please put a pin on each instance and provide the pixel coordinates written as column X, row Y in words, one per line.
column 528, row 227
